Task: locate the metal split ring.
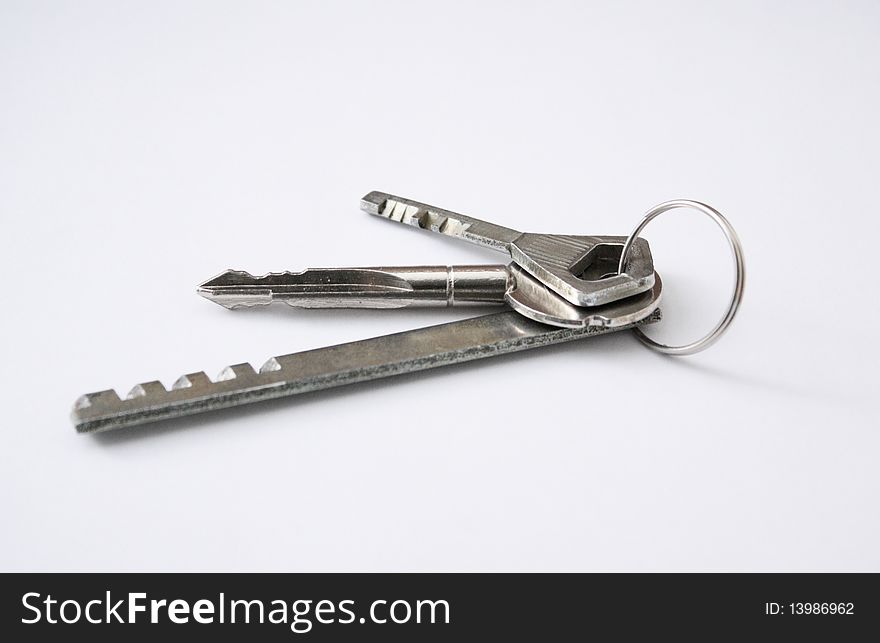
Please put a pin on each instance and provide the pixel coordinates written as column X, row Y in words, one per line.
column 735, row 299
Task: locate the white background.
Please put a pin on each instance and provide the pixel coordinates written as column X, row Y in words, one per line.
column 145, row 147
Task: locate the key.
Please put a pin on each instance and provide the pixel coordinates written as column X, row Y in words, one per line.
column 323, row 368
column 581, row 269
column 561, row 288
column 361, row 287
column 407, row 286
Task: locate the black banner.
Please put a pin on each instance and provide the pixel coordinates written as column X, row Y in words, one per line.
column 429, row 607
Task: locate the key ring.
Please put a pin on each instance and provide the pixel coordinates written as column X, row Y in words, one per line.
column 736, row 298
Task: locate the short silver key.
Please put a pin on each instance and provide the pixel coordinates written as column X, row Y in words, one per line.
column 379, row 287
column 581, row 269
column 405, row 286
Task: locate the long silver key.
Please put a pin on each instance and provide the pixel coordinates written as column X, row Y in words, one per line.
column 401, row 287
column 581, row 269
column 369, row 359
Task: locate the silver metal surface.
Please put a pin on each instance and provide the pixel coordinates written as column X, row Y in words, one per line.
column 361, row 287
column 581, row 269
column 369, row 359
column 531, row 298
column 418, row 286
column 739, row 284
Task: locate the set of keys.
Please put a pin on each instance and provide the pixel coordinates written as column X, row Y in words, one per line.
column 557, row 288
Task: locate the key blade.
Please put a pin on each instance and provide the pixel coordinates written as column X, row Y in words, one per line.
column 323, row 368
column 429, row 217
column 311, row 288
column 234, row 289
column 360, row 287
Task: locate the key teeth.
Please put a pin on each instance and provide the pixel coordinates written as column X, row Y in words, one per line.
column 82, row 402
column 225, row 375
column 235, row 371
column 103, row 397
column 383, row 205
column 191, row 380
column 91, row 403
column 136, row 391
column 182, row 382
column 374, row 202
column 97, row 411
column 145, row 389
column 419, row 216
column 146, row 392
column 451, row 227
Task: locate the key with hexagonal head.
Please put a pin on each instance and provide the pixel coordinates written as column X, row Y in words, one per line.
column 580, row 269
